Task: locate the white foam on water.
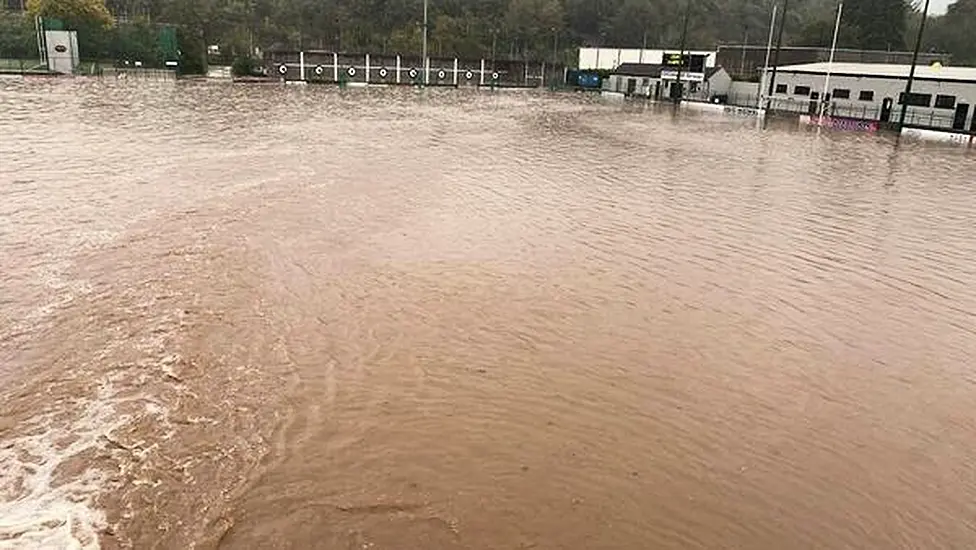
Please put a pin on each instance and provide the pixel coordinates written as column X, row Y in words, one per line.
column 37, row 513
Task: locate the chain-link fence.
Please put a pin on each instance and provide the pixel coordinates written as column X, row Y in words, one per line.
column 18, row 42
column 127, row 44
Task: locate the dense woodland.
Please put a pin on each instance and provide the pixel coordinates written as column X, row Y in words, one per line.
column 511, row 28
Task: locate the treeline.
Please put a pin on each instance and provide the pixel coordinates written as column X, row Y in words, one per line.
column 519, row 29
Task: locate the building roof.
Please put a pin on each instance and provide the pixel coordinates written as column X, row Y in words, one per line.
column 880, row 70
column 639, row 69
column 826, row 49
column 650, row 70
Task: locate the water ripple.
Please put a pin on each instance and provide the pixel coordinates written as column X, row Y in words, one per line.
column 451, row 319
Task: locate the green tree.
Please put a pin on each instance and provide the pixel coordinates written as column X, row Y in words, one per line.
column 881, row 24
column 820, row 32
column 406, row 40
column 136, row 41
column 17, row 38
column 532, row 24
column 457, row 36
column 953, row 32
column 73, row 12
column 635, row 19
column 520, row 28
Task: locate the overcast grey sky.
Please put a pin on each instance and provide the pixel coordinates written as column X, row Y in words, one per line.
column 939, row 6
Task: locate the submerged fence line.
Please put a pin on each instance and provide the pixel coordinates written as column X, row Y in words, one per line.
column 334, row 67
column 138, row 73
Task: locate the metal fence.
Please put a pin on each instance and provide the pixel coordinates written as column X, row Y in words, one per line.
column 22, row 65
column 355, row 68
column 137, row 73
column 866, row 112
column 926, row 120
column 914, row 117
column 745, row 61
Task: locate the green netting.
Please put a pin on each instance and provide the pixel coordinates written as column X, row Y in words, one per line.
column 52, row 24
column 168, row 44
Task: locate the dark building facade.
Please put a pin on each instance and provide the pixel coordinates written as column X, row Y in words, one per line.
column 745, row 62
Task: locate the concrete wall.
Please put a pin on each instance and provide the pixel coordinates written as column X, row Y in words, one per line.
column 882, row 88
column 965, row 140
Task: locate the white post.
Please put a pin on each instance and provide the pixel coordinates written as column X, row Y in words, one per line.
column 769, row 47
column 426, row 71
column 335, row 67
column 830, row 65
column 367, row 68
column 301, row 64
column 424, row 46
column 41, row 39
column 482, row 73
column 398, row 69
column 455, row 72
column 542, row 75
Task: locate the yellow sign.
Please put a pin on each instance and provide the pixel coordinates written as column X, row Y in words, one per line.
column 673, row 59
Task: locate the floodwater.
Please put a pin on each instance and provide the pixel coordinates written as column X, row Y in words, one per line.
column 281, row 317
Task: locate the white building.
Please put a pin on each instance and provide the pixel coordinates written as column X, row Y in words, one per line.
column 942, row 97
column 611, row 58
column 656, row 81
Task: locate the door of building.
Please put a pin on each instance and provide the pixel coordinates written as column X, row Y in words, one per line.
column 631, row 86
column 886, row 110
column 677, row 90
column 962, row 113
column 813, row 107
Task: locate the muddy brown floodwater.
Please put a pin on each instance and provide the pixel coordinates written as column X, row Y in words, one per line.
column 275, row 317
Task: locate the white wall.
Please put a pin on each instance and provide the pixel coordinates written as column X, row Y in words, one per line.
column 744, row 89
column 618, row 83
column 720, row 83
column 62, row 51
column 882, row 88
column 610, row 58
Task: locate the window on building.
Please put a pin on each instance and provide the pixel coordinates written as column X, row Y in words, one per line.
column 945, row 102
column 866, row 95
column 841, row 93
column 781, row 88
column 916, row 100
column 815, row 95
column 801, row 90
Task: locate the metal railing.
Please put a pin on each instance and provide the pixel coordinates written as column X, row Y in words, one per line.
column 915, row 117
column 137, row 73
